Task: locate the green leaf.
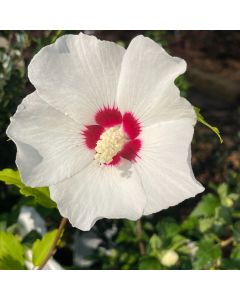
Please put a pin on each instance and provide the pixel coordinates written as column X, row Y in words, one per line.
column 127, row 232
column 41, row 195
column 167, row 227
column 3, row 222
column 208, row 255
column 236, row 231
column 203, row 121
column 42, row 247
column 205, row 224
column 235, row 254
column 149, row 263
column 227, row 202
column 222, row 190
column 178, row 241
column 56, row 35
column 155, row 242
column 230, row 264
column 11, row 252
column 183, row 84
column 189, row 224
column 206, row 207
column 228, row 199
column 223, row 215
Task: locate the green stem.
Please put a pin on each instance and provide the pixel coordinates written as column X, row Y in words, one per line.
column 139, row 237
column 54, row 244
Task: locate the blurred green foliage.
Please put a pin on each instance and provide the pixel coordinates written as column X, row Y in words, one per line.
column 199, row 234
column 41, row 248
column 11, row 252
column 208, row 238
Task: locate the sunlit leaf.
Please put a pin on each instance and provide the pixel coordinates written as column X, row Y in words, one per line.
column 205, row 224
column 41, row 195
column 11, row 252
column 222, row 190
column 41, row 247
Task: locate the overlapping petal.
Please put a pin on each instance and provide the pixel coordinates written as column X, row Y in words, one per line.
column 165, row 165
column 146, row 83
column 49, row 144
column 77, row 75
column 100, row 192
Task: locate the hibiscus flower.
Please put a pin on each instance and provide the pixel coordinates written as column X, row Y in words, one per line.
column 106, row 129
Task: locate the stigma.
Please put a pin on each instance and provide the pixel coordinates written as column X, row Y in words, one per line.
column 110, row 143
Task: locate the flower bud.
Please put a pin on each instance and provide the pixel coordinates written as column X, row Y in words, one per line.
column 227, row 201
column 170, row 258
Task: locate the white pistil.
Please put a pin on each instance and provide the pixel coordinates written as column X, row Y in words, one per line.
column 110, row 143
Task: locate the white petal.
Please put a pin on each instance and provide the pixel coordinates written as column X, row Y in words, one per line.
column 78, row 75
column 100, row 192
column 146, row 83
column 50, row 147
column 165, row 165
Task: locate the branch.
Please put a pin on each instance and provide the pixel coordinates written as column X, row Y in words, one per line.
column 226, row 242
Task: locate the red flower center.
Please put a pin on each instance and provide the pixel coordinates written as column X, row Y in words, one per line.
column 114, row 136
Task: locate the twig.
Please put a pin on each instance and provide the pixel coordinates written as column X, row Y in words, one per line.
column 226, row 242
column 54, row 244
column 139, row 236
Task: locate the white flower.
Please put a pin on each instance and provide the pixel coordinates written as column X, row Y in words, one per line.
column 106, row 129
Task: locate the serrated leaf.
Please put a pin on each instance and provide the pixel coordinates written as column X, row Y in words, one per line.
column 201, row 119
column 11, row 252
column 41, row 195
column 41, row 247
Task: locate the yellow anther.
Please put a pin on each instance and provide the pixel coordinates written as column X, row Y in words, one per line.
column 110, row 143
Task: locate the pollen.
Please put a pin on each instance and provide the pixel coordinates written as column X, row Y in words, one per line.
column 109, row 144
